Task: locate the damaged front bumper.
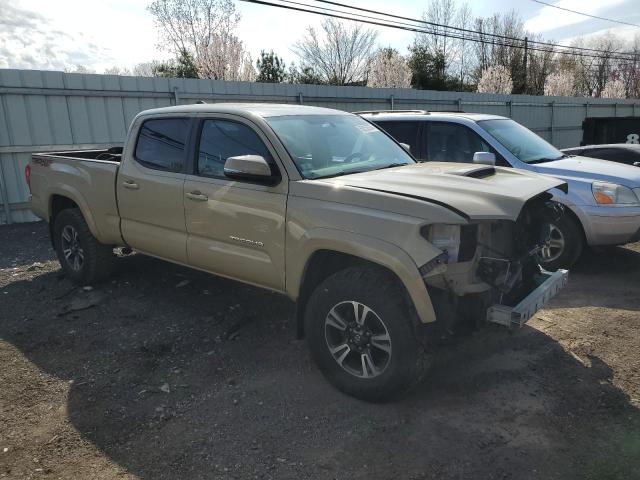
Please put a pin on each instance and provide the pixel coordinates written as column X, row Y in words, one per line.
column 550, row 283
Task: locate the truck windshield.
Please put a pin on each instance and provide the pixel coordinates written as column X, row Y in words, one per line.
column 521, row 141
column 330, row 145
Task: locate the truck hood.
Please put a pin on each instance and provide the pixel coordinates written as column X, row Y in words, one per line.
column 592, row 169
column 471, row 191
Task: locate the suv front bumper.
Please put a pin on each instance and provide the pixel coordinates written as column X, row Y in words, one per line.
column 521, row 313
column 609, row 225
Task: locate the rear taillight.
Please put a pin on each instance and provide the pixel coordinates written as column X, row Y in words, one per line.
column 27, row 176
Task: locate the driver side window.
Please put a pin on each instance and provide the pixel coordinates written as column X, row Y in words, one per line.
column 221, row 139
column 452, row 142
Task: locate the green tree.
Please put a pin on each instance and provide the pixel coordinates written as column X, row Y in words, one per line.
column 270, row 68
column 182, row 67
column 307, row 75
column 426, row 69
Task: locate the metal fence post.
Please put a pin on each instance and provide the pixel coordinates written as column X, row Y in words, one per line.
column 392, row 102
column 553, row 112
column 615, row 109
column 510, row 106
column 459, row 104
column 586, row 109
column 176, row 97
column 300, row 98
column 5, row 196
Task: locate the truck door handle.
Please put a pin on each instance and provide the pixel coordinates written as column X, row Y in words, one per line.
column 130, row 184
column 198, row 196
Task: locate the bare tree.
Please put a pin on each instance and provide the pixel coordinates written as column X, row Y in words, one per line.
column 389, row 69
column 495, row 80
column 117, row 71
column 341, row 52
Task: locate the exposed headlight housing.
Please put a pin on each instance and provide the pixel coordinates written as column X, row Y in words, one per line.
column 446, row 238
column 613, row 194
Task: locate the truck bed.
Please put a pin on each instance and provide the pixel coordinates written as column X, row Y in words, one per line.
column 88, row 179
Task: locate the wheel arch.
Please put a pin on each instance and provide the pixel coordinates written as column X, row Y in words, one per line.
column 326, row 256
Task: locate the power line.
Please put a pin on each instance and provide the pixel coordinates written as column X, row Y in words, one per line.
column 576, row 51
column 461, row 29
column 622, row 22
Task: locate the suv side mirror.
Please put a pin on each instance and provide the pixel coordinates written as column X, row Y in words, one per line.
column 252, row 168
column 484, row 158
column 406, row 146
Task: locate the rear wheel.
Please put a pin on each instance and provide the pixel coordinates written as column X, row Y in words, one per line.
column 361, row 332
column 82, row 257
column 565, row 244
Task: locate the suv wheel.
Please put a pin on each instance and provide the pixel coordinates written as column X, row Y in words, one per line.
column 565, row 245
column 81, row 256
column 360, row 329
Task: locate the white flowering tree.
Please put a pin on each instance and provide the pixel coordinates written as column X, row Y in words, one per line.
column 614, row 88
column 389, row 69
column 560, row 84
column 224, row 58
column 496, row 79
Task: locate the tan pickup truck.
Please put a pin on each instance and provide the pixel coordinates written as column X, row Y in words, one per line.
column 385, row 257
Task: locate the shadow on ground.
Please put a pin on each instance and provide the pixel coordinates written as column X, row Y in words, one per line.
column 177, row 374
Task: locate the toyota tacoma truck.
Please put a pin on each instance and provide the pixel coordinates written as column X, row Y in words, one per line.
column 385, row 257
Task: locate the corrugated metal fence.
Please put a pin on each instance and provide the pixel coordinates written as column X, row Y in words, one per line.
column 46, row 111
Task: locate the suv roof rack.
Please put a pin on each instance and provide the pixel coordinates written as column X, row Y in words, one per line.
column 375, row 112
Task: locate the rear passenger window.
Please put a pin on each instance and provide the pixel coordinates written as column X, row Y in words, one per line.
column 404, row 132
column 162, row 143
column 221, row 139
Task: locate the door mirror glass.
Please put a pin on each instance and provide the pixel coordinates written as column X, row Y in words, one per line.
column 406, row 146
column 484, row 158
column 248, row 167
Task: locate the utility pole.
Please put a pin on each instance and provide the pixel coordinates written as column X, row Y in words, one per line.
column 526, row 55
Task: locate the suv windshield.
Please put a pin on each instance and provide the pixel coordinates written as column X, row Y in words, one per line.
column 521, row 141
column 329, row 145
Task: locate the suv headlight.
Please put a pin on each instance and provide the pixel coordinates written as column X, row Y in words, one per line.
column 613, row 194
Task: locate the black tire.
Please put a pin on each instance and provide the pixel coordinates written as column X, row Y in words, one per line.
column 97, row 259
column 407, row 360
column 573, row 238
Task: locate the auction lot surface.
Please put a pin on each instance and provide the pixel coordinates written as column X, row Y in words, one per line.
column 163, row 372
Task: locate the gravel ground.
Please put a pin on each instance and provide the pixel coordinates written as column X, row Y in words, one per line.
column 167, row 373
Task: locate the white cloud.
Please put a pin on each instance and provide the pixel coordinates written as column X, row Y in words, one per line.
column 549, row 18
column 55, row 35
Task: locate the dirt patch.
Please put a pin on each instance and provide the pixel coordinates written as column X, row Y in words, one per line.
column 163, row 372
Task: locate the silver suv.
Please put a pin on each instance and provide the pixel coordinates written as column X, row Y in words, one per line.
column 604, row 197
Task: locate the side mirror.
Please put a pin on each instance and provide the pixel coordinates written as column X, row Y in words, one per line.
column 484, row 158
column 252, row 168
column 406, row 146
column 636, row 164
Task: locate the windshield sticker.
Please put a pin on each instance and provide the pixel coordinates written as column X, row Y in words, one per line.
column 366, row 128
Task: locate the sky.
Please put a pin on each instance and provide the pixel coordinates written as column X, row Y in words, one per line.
column 99, row 34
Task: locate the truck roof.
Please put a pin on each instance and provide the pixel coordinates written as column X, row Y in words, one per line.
column 418, row 115
column 259, row 109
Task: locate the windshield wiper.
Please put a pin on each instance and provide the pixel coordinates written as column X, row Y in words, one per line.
column 392, row 165
column 339, row 174
column 544, row 159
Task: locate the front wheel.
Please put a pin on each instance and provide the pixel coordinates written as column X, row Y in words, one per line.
column 81, row 256
column 361, row 331
column 565, row 244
